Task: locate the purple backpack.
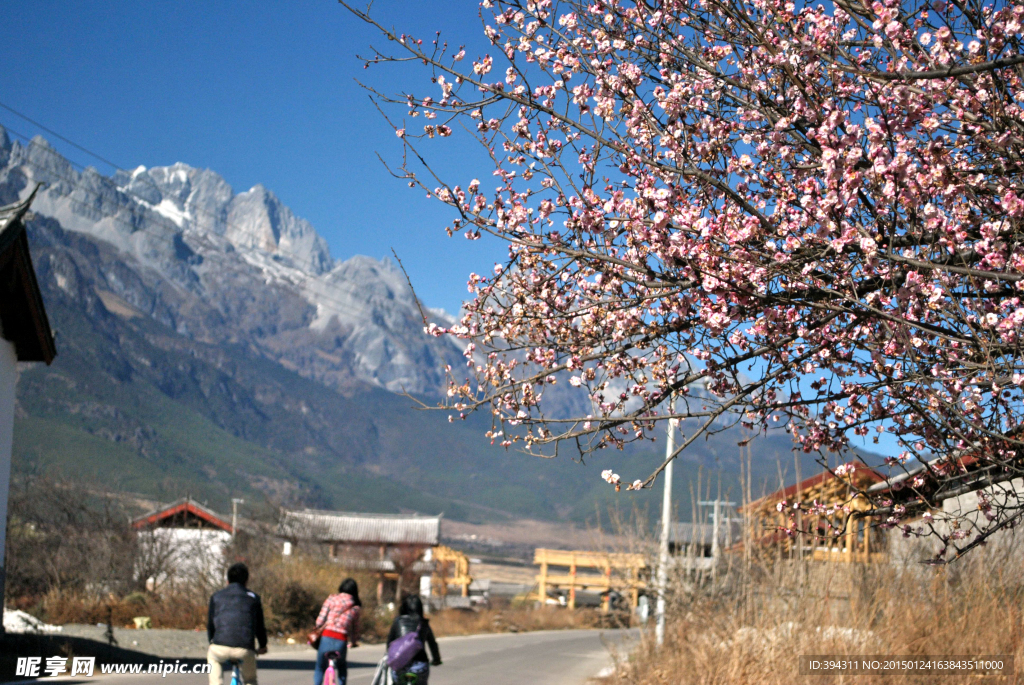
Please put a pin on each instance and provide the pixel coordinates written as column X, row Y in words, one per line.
column 403, row 649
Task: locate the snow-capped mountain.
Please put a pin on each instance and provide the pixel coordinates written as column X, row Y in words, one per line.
column 200, row 333
column 240, row 268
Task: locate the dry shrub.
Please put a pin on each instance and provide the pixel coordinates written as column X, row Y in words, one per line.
column 63, row 537
column 466, row 622
column 167, row 611
column 752, row 626
column 46, row 581
column 294, row 588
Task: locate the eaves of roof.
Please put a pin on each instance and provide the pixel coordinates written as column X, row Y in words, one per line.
column 22, row 313
column 181, row 506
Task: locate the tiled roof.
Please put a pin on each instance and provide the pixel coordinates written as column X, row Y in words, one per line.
column 346, row 527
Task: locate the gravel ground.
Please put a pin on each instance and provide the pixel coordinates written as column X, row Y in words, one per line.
column 162, row 642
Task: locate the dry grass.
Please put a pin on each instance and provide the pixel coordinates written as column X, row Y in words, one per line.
column 464, row 622
column 168, row 611
column 754, row 626
column 292, row 590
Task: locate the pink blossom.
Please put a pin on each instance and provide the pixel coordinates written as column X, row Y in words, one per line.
column 810, row 228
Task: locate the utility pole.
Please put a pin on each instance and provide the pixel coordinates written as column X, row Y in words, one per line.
column 666, row 524
column 716, row 513
column 234, row 515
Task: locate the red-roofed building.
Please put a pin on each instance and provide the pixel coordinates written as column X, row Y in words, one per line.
column 184, row 513
column 183, row 542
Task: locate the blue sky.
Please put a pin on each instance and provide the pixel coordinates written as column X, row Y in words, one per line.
column 259, row 92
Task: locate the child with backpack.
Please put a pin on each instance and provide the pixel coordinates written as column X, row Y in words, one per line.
column 408, row 639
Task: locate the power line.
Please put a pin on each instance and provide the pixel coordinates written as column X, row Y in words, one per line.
column 212, row 215
column 28, row 141
column 168, row 232
column 66, row 140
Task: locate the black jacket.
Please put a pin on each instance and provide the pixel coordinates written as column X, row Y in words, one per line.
column 235, row 618
column 407, row 623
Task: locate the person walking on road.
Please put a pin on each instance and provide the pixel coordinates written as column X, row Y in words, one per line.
column 234, row 624
column 411, row 620
column 339, row 622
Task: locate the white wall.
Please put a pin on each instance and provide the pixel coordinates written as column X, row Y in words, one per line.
column 8, row 378
column 187, row 555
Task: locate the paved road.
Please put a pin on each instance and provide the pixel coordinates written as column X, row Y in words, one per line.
column 558, row 657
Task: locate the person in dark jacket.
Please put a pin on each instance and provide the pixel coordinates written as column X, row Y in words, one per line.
column 234, row 624
column 410, row 619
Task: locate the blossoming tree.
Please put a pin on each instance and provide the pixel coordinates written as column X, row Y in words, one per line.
column 776, row 213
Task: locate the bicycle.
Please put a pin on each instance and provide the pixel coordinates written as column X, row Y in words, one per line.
column 331, row 674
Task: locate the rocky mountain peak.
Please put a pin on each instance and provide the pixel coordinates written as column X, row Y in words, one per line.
column 201, row 200
column 257, row 218
column 226, row 267
column 5, row 146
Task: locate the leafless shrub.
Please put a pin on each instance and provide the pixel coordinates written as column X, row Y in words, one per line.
column 65, row 538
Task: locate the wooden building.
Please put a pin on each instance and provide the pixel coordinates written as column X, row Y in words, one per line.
column 846, row 534
column 25, row 336
column 451, row 567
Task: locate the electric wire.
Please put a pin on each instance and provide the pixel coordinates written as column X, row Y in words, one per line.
column 57, row 135
column 160, row 226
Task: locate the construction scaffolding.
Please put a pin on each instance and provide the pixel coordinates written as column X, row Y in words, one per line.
column 847, row 534
column 451, row 567
column 617, row 572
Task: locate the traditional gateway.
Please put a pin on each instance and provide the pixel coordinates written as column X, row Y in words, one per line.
column 606, row 572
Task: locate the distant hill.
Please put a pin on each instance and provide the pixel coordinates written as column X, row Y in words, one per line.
column 210, row 345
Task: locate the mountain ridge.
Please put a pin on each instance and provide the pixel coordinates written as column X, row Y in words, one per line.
column 245, row 268
column 188, row 363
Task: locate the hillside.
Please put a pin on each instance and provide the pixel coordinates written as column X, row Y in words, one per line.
column 232, row 356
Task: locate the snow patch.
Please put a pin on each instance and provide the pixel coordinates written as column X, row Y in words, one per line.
column 20, row 622
column 170, row 210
